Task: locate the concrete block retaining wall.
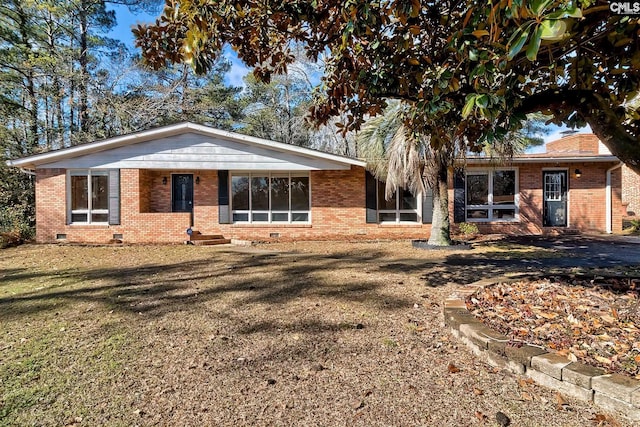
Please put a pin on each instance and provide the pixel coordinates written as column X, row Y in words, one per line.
column 611, row 392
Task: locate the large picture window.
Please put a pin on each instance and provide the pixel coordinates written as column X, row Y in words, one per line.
column 89, row 197
column 270, row 197
column 492, row 195
column 401, row 207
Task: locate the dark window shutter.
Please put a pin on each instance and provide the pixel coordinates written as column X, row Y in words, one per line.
column 458, row 196
column 427, row 207
column 371, row 202
column 224, row 216
column 114, row 197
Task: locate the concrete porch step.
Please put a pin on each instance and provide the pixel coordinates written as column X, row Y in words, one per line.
column 209, row 242
column 200, row 239
column 560, row 231
column 196, row 235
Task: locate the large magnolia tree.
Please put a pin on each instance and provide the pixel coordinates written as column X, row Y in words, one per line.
column 483, row 64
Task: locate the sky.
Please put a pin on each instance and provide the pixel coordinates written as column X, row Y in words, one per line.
column 555, row 133
column 127, row 20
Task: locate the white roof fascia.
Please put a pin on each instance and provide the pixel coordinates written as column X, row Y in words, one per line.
column 567, row 159
column 31, row 162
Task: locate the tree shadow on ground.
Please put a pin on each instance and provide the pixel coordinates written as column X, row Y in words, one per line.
column 529, row 255
column 160, row 289
column 246, row 277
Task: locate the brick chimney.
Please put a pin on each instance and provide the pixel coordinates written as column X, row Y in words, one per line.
column 578, row 144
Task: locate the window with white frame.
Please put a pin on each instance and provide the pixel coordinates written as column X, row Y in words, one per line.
column 88, row 197
column 553, row 187
column 401, row 207
column 270, row 197
column 492, row 195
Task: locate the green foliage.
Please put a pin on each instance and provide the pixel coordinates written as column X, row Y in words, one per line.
column 17, row 213
column 468, row 229
column 15, row 226
column 64, row 82
column 277, row 110
column 472, row 70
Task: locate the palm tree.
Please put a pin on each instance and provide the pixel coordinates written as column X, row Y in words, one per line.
column 405, row 158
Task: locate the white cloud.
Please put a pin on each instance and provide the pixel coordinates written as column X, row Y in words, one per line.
column 238, row 70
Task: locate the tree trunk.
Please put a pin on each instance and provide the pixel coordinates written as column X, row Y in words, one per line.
column 84, row 69
column 72, row 91
column 30, row 86
column 440, row 227
column 607, row 127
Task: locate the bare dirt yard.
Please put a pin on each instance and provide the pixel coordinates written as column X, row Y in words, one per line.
column 318, row 333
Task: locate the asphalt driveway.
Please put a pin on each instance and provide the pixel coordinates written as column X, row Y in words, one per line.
column 587, row 250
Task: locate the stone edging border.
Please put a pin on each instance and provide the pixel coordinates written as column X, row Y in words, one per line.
column 611, row 392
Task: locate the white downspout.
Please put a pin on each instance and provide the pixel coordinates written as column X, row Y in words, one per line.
column 610, row 198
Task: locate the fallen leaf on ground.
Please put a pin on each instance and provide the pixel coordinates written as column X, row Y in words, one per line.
column 560, row 400
column 523, row 383
column 588, row 321
column 481, row 416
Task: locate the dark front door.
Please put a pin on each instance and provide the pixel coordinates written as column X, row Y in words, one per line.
column 182, row 193
column 555, row 198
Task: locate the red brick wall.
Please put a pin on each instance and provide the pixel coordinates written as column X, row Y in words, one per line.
column 337, row 208
column 145, row 181
column 580, row 143
column 587, row 197
column 205, row 202
column 51, row 210
column 587, row 200
column 338, row 211
column 630, row 191
column 616, row 196
column 136, row 225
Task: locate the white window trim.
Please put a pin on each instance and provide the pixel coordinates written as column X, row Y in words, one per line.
column 397, row 211
column 89, row 211
column 249, row 212
column 490, row 206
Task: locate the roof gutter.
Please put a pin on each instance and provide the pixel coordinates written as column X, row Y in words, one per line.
column 22, row 169
column 609, row 196
column 520, row 160
column 27, row 171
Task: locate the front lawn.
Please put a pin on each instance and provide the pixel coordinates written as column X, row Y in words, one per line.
column 288, row 334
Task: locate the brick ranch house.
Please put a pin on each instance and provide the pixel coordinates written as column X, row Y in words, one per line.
column 155, row 185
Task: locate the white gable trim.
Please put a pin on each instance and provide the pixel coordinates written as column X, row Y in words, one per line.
column 32, row 162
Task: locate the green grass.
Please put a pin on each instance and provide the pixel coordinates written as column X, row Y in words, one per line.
column 51, row 364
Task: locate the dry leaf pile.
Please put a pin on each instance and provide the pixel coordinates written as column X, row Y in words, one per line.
column 592, row 321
